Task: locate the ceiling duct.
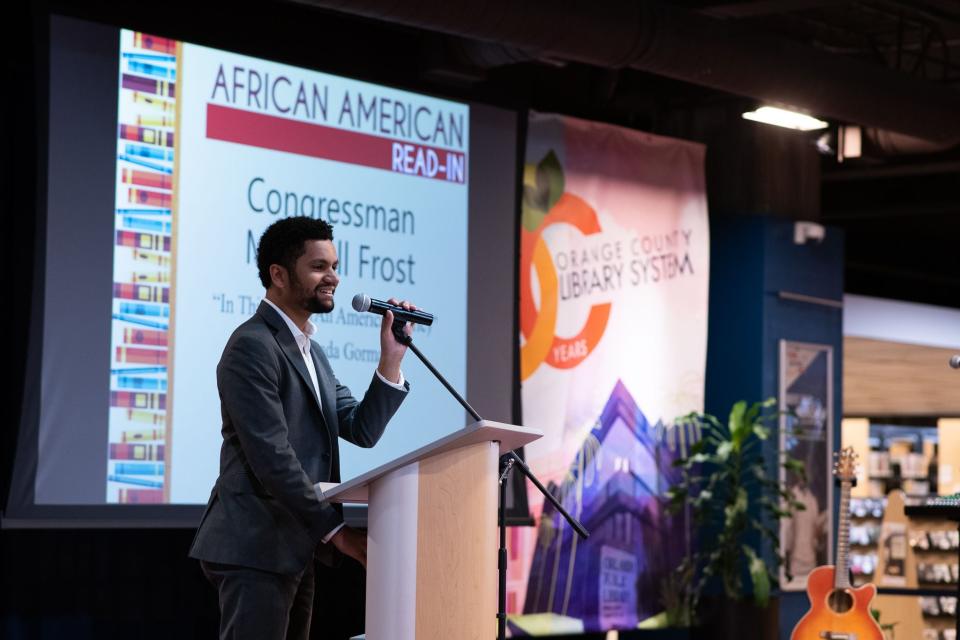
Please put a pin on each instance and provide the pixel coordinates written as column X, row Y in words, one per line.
column 691, row 47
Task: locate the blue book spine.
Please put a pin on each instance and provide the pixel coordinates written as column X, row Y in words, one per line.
column 144, row 212
column 144, row 163
column 141, row 482
column 139, row 224
column 123, row 317
column 155, row 70
column 157, row 153
column 139, row 468
column 144, row 309
column 139, row 383
column 139, row 370
column 149, row 57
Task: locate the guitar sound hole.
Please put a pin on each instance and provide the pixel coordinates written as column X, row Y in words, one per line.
column 840, row 601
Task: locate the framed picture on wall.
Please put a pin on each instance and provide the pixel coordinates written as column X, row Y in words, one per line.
column 806, row 434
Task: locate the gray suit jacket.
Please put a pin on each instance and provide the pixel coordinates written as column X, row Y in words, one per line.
column 263, row 512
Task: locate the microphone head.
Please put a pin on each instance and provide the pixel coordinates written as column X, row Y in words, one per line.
column 955, row 362
column 361, row 302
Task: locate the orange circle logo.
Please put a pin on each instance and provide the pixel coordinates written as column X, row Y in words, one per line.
column 538, row 326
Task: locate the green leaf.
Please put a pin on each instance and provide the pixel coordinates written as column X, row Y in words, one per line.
column 737, row 424
column 759, row 577
column 724, row 450
column 734, row 510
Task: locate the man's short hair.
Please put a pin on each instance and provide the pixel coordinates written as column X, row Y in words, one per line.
column 283, row 243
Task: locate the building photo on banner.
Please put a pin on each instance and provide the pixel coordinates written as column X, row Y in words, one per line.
column 614, row 269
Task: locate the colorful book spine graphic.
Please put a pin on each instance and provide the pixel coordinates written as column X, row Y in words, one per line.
column 153, row 153
column 122, row 317
column 135, row 223
column 148, row 179
column 146, row 99
column 139, row 428
column 141, row 309
column 149, row 198
column 141, row 383
column 143, row 417
column 140, row 162
column 142, row 211
column 147, row 135
column 136, row 355
column 134, row 480
column 156, row 86
column 158, row 259
column 138, row 468
column 145, row 336
column 153, row 43
column 139, row 240
column 133, row 451
column 155, row 121
column 152, row 69
column 149, row 57
column 144, row 292
column 138, row 400
column 140, row 496
column 141, row 435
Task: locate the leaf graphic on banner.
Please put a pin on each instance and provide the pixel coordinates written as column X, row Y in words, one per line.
column 550, row 178
column 530, row 217
column 542, row 187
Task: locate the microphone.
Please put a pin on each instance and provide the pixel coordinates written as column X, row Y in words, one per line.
column 955, row 362
column 362, row 302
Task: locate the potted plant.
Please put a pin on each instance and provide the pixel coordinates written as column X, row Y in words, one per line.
column 732, row 499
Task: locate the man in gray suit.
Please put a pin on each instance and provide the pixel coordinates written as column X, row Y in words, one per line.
column 282, row 411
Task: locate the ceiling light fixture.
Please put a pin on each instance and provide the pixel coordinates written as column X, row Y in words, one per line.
column 785, row 118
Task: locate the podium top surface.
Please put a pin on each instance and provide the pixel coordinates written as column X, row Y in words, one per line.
column 509, row 436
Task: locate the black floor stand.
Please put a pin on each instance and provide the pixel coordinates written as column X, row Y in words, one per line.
column 507, row 462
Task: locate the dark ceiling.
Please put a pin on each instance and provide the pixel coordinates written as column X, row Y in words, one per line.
column 899, row 204
column 900, row 211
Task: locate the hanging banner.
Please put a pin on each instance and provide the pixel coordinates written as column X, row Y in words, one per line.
column 613, row 317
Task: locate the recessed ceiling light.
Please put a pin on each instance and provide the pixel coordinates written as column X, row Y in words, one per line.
column 785, row 118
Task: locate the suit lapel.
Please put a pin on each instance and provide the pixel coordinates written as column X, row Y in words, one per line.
column 289, row 346
column 328, row 390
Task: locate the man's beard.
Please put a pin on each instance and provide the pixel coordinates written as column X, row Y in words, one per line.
column 308, row 299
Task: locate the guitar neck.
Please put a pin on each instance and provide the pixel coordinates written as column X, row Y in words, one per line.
column 841, row 574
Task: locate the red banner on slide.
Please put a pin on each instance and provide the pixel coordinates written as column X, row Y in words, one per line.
column 340, row 145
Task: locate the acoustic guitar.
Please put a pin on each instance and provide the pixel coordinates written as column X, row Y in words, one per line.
column 837, row 610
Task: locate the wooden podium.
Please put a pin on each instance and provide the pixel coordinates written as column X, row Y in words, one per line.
column 432, row 535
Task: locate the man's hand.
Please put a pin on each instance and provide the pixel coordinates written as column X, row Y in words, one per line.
column 351, row 542
column 391, row 351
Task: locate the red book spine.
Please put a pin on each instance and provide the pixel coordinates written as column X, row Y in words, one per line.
column 138, row 400
column 145, row 336
column 140, row 240
column 150, row 179
column 146, row 135
column 149, row 198
column 141, row 496
column 154, row 43
column 137, row 355
column 141, row 292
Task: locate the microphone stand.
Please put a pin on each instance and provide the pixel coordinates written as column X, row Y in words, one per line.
column 507, row 462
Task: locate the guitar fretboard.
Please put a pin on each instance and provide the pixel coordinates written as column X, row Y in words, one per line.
column 841, row 574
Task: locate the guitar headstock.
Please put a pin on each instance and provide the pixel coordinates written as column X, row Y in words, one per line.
column 845, row 465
